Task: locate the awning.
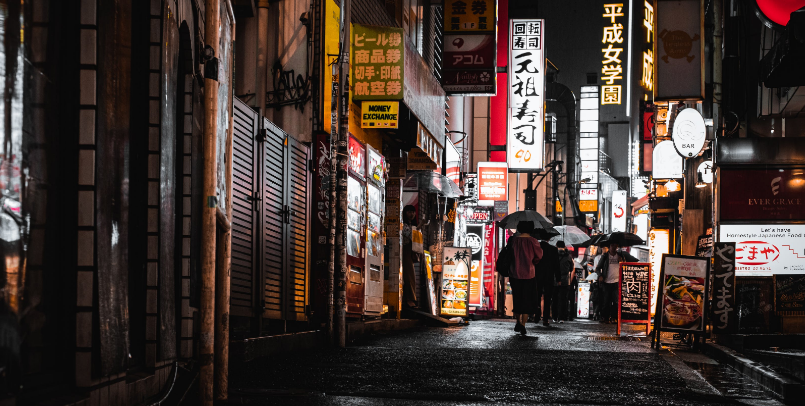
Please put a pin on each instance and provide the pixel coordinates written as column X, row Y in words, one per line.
column 639, row 203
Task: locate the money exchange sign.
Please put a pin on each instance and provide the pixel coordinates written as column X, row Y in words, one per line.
column 526, row 95
column 377, row 63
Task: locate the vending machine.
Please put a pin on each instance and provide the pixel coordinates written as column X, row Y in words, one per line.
column 356, row 227
column 373, row 271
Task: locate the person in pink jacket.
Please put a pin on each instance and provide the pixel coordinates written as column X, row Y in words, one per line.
column 522, row 276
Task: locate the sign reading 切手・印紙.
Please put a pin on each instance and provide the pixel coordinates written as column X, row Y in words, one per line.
column 377, row 63
column 526, row 95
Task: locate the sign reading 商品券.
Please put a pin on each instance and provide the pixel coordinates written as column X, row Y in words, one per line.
column 379, row 114
column 377, row 63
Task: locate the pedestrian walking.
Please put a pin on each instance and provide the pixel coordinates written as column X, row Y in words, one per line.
column 547, row 275
column 526, row 254
column 564, row 284
column 608, row 270
column 408, row 257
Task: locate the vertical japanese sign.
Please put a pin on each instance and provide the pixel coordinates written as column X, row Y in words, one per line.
column 377, row 63
column 493, row 183
column 526, row 132
column 588, row 148
column 618, row 211
column 489, row 263
column 470, row 47
column 658, row 240
column 647, row 78
column 725, row 316
column 612, row 65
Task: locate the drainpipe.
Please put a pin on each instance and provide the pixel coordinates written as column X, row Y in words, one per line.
column 262, row 56
column 209, row 209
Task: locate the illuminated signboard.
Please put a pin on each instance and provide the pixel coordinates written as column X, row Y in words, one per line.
column 658, row 245
column 612, row 69
column 618, row 211
column 588, row 148
column 666, row 162
column 588, row 206
column 647, row 79
column 470, row 47
column 588, row 194
column 526, row 77
column 766, row 249
column 377, row 63
column 493, row 183
column 379, row 114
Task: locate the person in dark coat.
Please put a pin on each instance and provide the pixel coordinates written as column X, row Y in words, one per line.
column 527, row 254
column 564, row 283
column 547, row 275
column 608, row 270
column 409, row 256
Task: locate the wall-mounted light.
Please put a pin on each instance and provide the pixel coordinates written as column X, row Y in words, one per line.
column 673, row 186
column 699, row 180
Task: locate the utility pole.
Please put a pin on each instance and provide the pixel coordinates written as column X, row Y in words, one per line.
column 339, row 135
column 209, row 208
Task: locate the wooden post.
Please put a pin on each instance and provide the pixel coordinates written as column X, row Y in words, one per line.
column 208, row 213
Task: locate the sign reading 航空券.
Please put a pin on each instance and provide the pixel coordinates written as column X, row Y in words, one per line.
column 377, row 63
column 526, row 95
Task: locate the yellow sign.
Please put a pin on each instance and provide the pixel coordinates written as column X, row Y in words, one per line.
column 469, row 15
column 612, row 70
column 558, row 206
column 379, row 114
column 377, row 63
column 588, row 206
column 647, row 79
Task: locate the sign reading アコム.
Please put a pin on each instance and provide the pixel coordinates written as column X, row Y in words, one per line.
column 526, row 95
column 377, row 63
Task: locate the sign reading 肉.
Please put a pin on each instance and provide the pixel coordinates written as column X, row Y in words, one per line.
column 635, row 285
column 683, row 293
column 377, row 63
column 455, row 289
column 724, row 314
column 381, row 114
column 789, row 294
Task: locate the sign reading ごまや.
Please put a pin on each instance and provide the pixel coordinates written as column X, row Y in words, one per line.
column 766, row 249
column 526, row 95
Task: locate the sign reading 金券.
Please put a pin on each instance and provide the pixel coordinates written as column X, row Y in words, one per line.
column 377, row 63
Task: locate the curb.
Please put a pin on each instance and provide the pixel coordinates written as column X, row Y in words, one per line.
column 362, row 329
column 786, row 389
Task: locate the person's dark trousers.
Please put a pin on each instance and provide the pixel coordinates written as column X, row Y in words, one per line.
column 610, row 296
column 561, row 303
column 545, row 291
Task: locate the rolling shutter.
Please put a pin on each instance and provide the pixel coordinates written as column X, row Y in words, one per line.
column 297, row 228
column 274, row 254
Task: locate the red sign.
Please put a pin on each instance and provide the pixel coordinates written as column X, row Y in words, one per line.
column 648, row 125
column 756, row 253
column 762, row 194
column 357, row 157
column 493, row 182
column 779, row 11
column 469, row 51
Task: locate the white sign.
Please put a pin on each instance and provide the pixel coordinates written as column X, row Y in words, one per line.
column 475, row 242
column 767, row 249
column 667, row 164
column 584, row 300
column 618, row 211
column 706, row 169
column 689, row 133
column 526, row 95
column 658, row 245
column 588, row 194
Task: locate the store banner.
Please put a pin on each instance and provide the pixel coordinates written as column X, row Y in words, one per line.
column 618, row 223
column 489, row 263
column 470, row 47
column 455, row 281
column 678, row 61
column 724, row 313
column 526, row 120
column 379, row 114
column 493, row 183
column 762, row 194
column 376, row 68
column 766, row 249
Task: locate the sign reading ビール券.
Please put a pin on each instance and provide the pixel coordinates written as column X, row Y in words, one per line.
column 377, row 63
column 526, row 95
column 379, row 114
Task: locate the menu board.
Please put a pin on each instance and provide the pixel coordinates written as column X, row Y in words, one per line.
column 683, row 294
column 789, row 294
column 583, row 297
column 455, row 289
column 635, row 285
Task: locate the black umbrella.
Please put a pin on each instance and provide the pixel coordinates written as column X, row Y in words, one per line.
column 592, row 241
column 543, row 229
column 622, row 239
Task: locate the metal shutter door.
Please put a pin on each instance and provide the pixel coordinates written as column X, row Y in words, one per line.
column 273, row 254
column 241, row 300
column 297, row 229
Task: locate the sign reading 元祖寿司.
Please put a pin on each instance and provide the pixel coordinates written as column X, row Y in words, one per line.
column 526, row 95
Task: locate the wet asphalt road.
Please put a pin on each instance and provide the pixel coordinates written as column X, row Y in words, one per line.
column 486, row 363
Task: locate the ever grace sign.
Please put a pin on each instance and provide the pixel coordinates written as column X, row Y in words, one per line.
column 724, row 315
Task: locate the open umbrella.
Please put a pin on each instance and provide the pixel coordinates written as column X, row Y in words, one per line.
column 542, row 227
column 622, row 239
column 592, row 241
column 571, row 235
column 433, row 182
